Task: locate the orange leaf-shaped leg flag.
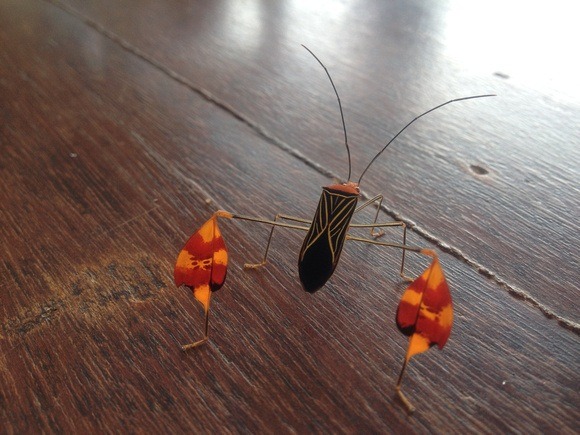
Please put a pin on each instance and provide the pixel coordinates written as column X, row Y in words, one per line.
column 202, row 265
column 425, row 313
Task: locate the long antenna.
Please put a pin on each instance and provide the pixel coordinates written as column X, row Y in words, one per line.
column 339, row 106
column 414, row 119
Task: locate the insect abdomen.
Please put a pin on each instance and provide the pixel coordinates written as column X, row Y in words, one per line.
column 324, row 241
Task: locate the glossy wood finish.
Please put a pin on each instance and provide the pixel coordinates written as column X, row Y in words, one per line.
column 125, row 124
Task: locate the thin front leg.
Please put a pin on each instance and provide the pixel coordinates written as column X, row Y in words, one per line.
column 205, row 337
column 374, row 225
column 402, row 271
column 378, row 198
column 381, row 232
column 402, row 397
column 274, row 224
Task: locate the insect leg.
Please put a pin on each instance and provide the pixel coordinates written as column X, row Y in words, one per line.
column 382, row 232
column 275, row 223
column 402, row 397
column 205, row 337
column 202, row 265
column 378, row 198
column 404, row 247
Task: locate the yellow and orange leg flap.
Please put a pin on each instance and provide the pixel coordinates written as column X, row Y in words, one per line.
column 202, row 266
column 425, row 314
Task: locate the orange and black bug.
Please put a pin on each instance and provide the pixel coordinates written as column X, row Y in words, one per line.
column 425, row 312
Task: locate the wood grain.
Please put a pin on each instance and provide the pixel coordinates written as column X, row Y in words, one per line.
column 124, row 125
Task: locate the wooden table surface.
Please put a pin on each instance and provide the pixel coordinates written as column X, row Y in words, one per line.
column 125, row 124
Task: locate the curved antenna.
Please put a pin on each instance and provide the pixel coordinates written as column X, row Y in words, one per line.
column 414, row 119
column 339, row 106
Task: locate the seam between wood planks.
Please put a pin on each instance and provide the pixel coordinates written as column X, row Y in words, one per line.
column 511, row 289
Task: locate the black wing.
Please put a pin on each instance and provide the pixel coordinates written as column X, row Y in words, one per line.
column 323, row 244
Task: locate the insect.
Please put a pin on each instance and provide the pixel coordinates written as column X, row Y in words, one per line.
column 425, row 311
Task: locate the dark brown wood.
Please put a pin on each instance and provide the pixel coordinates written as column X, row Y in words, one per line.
column 124, row 125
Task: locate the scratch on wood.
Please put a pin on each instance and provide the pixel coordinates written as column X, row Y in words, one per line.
column 35, row 317
column 125, row 222
column 89, row 289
